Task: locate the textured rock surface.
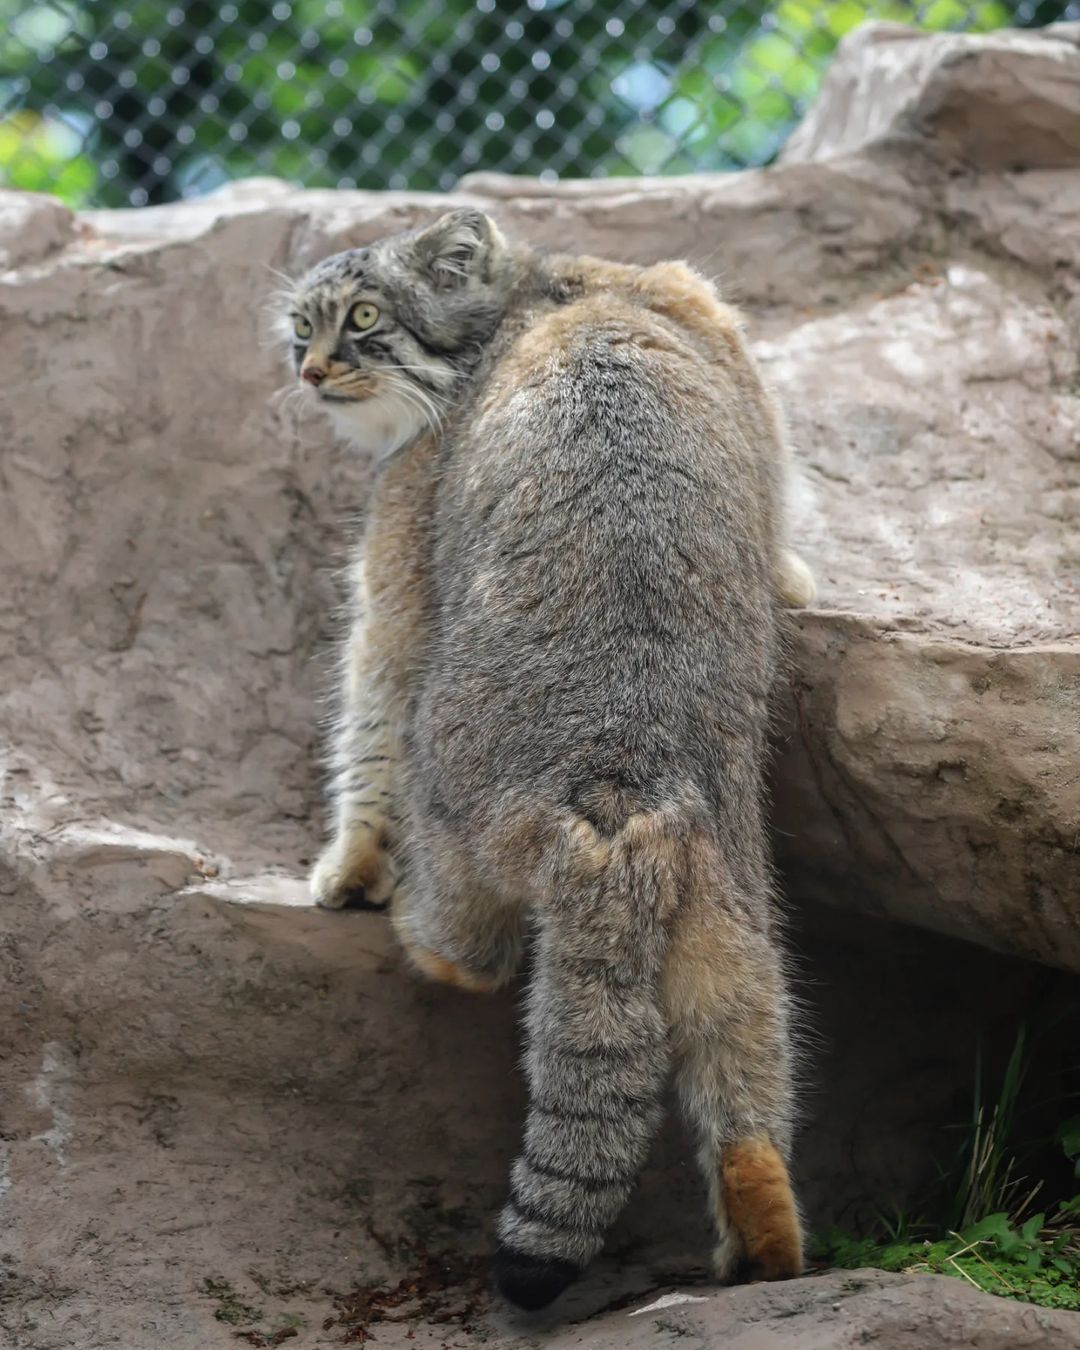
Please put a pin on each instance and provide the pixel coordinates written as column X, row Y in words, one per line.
column 31, row 227
column 214, row 1108
column 206, row 1079
column 1003, row 101
column 833, row 1312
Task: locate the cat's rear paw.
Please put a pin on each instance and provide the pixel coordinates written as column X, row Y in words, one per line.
column 356, row 873
column 762, row 1210
column 444, row 971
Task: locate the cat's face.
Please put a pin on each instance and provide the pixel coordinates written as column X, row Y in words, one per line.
column 382, row 337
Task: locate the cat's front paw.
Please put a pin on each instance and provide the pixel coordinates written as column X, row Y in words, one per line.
column 793, row 580
column 357, row 872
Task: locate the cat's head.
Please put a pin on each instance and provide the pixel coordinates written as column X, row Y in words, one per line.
column 382, row 337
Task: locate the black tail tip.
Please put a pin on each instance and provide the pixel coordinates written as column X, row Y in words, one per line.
column 531, row 1282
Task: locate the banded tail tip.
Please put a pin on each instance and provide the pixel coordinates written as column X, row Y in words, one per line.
column 531, row 1282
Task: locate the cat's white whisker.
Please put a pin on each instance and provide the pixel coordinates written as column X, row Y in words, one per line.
column 426, row 370
column 424, row 401
column 283, row 277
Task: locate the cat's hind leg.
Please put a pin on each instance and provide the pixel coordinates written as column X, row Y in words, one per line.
column 728, row 1015
column 453, row 927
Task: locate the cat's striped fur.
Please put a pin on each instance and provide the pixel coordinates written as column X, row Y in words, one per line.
column 560, row 692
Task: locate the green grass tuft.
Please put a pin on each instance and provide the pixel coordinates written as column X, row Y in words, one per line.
column 1031, row 1272
column 987, row 1235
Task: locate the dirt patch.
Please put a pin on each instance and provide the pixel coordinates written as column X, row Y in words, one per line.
column 442, row 1289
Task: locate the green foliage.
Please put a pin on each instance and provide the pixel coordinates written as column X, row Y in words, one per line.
column 39, row 154
column 1017, row 1263
column 1068, row 1136
column 989, row 1238
column 114, row 101
column 987, row 1179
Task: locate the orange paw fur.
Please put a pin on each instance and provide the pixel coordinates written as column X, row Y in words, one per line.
column 761, row 1207
column 438, row 968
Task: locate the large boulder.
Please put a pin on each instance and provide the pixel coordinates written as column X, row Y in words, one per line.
column 206, row 1078
column 170, row 522
column 32, row 227
column 834, row 1312
column 1005, row 101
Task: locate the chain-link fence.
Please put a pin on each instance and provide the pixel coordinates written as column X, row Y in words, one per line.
column 118, row 102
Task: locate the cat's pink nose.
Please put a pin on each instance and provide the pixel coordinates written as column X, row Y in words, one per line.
column 313, row 374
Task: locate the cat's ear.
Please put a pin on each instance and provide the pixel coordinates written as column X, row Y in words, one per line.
column 457, row 247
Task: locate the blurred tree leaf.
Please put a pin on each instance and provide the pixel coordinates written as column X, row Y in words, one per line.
column 121, row 101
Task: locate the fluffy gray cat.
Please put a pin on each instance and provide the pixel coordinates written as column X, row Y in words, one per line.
column 555, row 702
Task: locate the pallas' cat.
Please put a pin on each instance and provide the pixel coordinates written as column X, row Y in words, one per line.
column 555, row 697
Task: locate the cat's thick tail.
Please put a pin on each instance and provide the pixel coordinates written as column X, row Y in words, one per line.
column 597, row 1052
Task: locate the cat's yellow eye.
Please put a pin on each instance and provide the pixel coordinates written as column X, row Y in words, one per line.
column 301, row 327
column 362, row 316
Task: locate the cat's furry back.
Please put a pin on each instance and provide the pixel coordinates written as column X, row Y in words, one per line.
column 577, row 744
